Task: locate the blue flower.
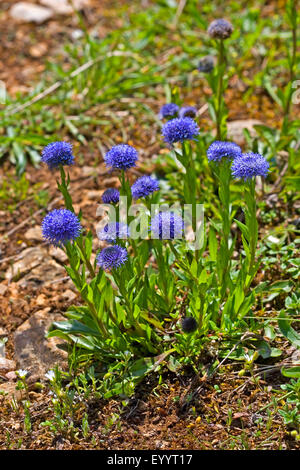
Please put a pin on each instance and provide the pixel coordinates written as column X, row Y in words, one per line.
column 58, row 153
column 187, row 111
column 167, row 226
column 250, row 165
column 220, row 29
column 168, row 110
column 121, row 157
column 206, row 64
column 114, row 230
column 111, row 195
column 219, row 149
column 112, row 257
column 144, row 186
column 180, row 129
column 60, row 226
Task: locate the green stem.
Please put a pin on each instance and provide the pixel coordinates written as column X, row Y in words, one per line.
column 223, row 173
column 85, row 258
column 252, row 225
column 292, row 64
column 119, row 279
column 181, row 263
column 157, row 247
column 80, row 286
column 220, row 88
column 63, row 187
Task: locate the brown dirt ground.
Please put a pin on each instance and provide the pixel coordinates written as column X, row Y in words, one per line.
column 159, row 417
column 25, row 48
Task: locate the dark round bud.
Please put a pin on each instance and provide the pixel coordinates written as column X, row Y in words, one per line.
column 189, row 324
column 206, row 64
column 296, row 222
column 220, row 29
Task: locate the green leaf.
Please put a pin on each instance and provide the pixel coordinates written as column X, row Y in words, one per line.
column 293, row 182
column 74, row 326
column 143, row 366
column 263, row 348
column 287, row 331
column 213, row 244
column 243, row 228
column 293, row 372
column 283, row 285
column 173, row 365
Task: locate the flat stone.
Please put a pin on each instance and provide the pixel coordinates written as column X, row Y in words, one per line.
column 63, row 7
column 6, row 365
column 41, row 300
column 11, row 375
column 8, row 391
column 34, row 233
column 113, row 181
column 29, row 12
column 296, row 356
column 235, row 129
column 3, row 289
column 94, row 195
column 48, row 272
column 69, row 295
column 88, row 171
column 3, row 332
column 58, row 254
column 29, row 259
column 38, row 50
column 34, row 352
column 34, row 268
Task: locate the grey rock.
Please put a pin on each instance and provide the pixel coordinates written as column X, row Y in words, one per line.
column 235, row 129
column 11, row 375
column 34, row 268
column 63, row 7
column 29, row 259
column 6, row 365
column 8, row 391
column 3, row 332
column 34, row 352
column 47, row 272
column 34, row 233
column 29, row 12
column 3, row 289
column 58, row 254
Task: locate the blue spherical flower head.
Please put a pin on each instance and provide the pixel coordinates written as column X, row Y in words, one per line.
column 111, row 195
column 60, row 226
column 206, row 64
column 220, row 29
column 114, row 230
column 187, row 111
column 179, row 130
column 121, row 157
column 249, row 165
column 168, row 110
column 221, row 149
column 58, row 153
column 144, row 186
column 167, row 226
column 112, row 257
